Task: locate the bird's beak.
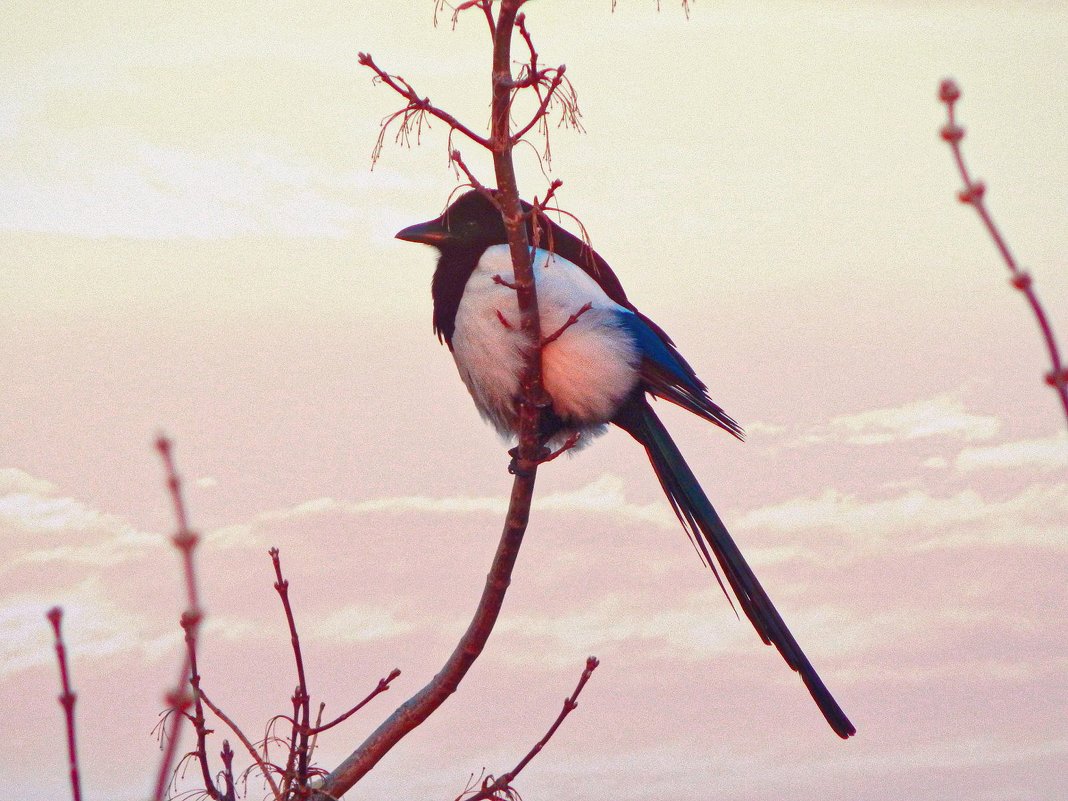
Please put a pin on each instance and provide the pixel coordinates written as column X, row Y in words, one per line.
column 431, row 232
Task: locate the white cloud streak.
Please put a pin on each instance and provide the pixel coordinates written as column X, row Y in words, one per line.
column 941, row 416
column 921, row 521
column 1049, row 453
column 603, row 496
column 93, row 626
column 37, row 526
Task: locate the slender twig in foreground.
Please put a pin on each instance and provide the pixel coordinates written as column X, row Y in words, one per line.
column 972, row 194
column 185, row 540
column 66, row 700
column 493, row 787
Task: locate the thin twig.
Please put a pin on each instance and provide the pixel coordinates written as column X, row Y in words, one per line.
column 973, row 194
column 569, row 443
column 185, row 540
column 491, row 788
column 456, row 159
column 227, row 757
column 417, row 104
column 383, row 685
column 67, row 700
column 574, row 318
column 301, row 699
column 318, row 728
column 260, row 764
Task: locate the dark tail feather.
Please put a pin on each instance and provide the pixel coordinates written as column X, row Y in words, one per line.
column 708, row 532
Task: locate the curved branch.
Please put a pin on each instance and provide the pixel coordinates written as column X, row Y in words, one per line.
column 420, row 706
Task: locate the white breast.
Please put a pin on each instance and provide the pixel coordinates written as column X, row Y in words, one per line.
column 588, row 371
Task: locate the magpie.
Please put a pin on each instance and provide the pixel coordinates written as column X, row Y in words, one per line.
column 605, row 360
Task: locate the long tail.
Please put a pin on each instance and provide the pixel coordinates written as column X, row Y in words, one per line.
column 708, row 533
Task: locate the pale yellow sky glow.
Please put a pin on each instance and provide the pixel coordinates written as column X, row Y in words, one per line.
column 192, row 240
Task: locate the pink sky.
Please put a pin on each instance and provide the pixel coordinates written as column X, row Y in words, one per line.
column 191, row 240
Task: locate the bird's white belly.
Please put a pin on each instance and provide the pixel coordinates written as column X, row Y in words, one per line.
column 588, row 371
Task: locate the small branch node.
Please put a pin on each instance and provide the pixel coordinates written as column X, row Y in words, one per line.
column 948, row 91
column 1021, row 281
column 951, row 132
column 972, row 193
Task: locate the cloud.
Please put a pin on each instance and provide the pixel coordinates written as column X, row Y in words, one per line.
column 1049, row 453
column 360, row 624
column 1033, row 517
column 93, row 626
column 14, row 481
column 941, row 416
column 687, row 630
column 605, row 495
column 139, row 190
column 37, row 526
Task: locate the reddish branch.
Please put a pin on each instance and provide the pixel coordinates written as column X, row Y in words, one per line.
column 66, row 700
column 263, row 767
column 500, row 143
column 973, row 195
column 494, row 789
column 298, row 742
column 227, row 756
column 382, row 686
column 413, row 114
column 179, row 701
column 569, row 443
column 574, row 318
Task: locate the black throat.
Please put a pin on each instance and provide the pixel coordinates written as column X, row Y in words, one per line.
column 447, row 287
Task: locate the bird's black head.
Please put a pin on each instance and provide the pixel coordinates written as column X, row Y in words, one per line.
column 472, row 222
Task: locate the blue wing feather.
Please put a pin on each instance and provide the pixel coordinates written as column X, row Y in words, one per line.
column 666, row 374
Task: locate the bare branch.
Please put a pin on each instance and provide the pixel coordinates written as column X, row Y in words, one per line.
column 260, row 765
column 569, row 443
column 383, row 685
column 417, row 106
column 227, row 757
column 66, row 699
column 457, row 161
column 185, row 540
column 486, row 6
column 498, row 280
column 301, row 699
column 504, row 320
column 414, row 711
column 973, row 194
column 492, row 789
column 551, row 87
column 574, row 318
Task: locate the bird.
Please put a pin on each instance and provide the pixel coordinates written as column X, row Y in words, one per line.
column 602, row 361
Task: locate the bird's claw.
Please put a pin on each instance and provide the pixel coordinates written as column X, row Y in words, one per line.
column 514, row 465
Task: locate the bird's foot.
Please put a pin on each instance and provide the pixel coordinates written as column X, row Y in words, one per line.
column 544, row 455
column 516, row 468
